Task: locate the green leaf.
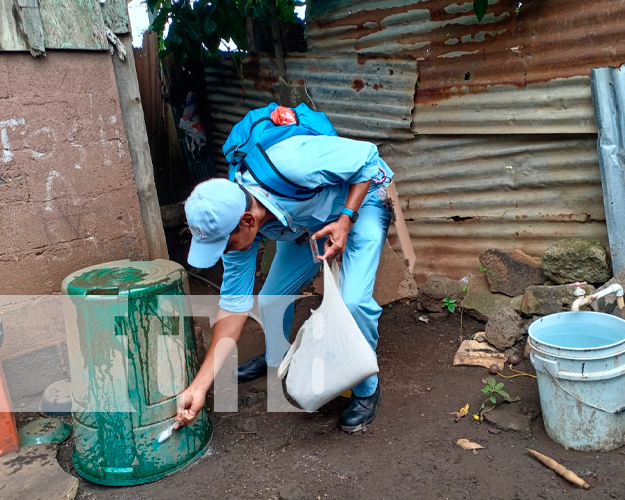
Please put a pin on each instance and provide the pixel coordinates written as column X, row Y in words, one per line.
column 499, row 386
column 491, row 382
column 480, row 7
column 209, row 26
column 485, row 390
column 504, row 393
column 493, row 399
column 451, row 307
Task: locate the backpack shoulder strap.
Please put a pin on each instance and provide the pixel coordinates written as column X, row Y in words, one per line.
column 271, row 179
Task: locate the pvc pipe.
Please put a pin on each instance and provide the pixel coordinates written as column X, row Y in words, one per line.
column 616, row 289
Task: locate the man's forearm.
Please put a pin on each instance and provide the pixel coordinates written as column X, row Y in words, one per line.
column 355, row 196
column 228, row 326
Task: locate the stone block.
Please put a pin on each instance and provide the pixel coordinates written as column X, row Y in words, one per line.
column 511, row 273
column 543, row 300
column 437, row 288
column 479, row 301
column 504, row 328
column 567, row 261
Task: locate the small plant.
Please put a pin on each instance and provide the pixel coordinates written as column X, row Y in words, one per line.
column 449, row 304
column 495, row 395
column 485, row 269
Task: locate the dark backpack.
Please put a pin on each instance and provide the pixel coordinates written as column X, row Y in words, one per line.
column 262, row 128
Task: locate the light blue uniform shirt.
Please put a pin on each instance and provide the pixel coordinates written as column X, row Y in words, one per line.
column 309, row 161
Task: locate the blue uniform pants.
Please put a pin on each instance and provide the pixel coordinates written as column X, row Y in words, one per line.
column 293, row 268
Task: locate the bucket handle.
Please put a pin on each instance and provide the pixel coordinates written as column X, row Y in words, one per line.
column 615, row 412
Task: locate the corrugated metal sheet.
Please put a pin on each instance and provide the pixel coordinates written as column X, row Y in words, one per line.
column 463, row 195
column 364, row 97
column 608, row 88
column 232, row 91
column 515, row 71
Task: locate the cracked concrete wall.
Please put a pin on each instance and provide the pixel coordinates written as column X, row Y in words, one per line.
column 67, row 199
column 67, row 193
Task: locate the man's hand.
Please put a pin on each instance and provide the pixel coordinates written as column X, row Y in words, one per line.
column 337, row 237
column 189, row 404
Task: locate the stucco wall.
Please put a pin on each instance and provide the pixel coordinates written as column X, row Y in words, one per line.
column 67, row 199
column 67, row 194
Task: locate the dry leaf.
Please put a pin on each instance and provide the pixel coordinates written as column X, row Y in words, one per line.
column 465, row 444
column 459, row 414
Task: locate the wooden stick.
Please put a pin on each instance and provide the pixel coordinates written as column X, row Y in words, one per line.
column 560, row 469
column 402, row 230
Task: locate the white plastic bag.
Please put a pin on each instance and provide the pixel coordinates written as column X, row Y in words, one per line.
column 330, row 353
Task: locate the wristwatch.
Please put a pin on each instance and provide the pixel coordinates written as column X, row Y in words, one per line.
column 352, row 214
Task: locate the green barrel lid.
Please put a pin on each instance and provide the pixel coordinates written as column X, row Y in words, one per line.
column 125, row 277
column 44, row 430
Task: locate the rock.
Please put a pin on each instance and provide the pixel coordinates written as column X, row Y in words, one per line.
column 393, row 280
column 479, row 301
column 504, row 328
column 437, row 288
column 509, row 417
column 542, row 300
column 517, row 304
column 173, row 216
column 34, row 473
column 567, row 261
column 511, row 273
column 292, row 491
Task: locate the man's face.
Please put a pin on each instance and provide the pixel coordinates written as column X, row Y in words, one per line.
column 242, row 240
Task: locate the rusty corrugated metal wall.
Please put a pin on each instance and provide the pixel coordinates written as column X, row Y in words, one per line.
column 525, row 72
column 463, row 194
column 505, row 148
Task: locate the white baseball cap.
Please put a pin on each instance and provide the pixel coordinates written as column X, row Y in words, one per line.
column 213, row 210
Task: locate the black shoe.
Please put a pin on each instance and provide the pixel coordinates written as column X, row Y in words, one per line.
column 360, row 412
column 250, row 370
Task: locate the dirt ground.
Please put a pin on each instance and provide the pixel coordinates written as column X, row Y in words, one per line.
column 409, row 451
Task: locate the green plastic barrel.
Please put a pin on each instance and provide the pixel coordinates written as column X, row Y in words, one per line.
column 132, row 351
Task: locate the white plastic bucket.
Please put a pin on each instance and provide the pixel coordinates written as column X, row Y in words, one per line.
column 580, row 367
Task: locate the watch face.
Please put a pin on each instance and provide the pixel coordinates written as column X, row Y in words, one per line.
column 354, row 217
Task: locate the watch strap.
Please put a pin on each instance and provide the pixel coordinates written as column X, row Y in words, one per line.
column 347, row 212
column 352, row 214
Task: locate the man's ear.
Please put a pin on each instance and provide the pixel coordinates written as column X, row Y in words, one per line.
column 248, row 220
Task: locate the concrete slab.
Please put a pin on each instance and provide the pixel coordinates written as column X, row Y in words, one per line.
column 33, row 473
